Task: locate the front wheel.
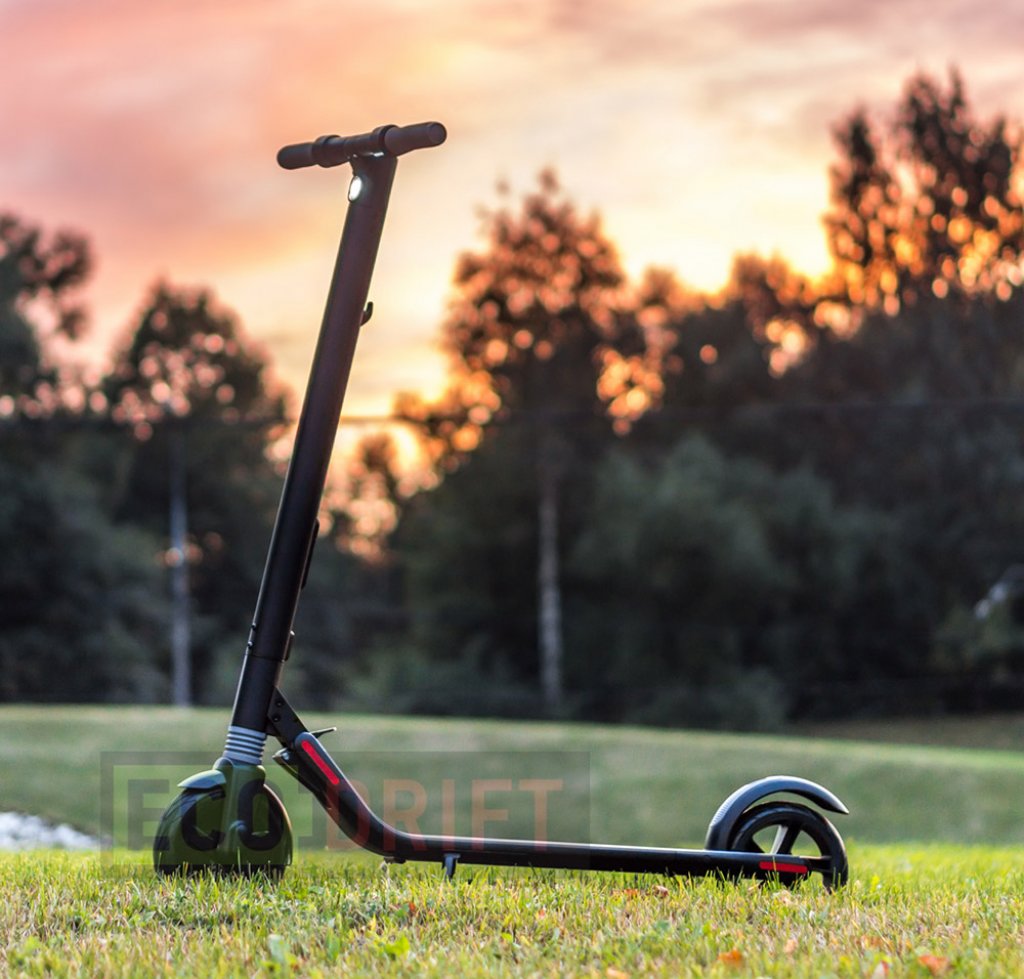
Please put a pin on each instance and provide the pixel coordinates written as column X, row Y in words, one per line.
column 225, row 820
column 782, row 829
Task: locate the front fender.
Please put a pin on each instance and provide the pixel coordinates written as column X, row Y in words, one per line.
column 722, row 823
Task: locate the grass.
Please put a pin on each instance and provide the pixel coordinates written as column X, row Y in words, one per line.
column 911, row 909
column 913, row 912
column 1002, row 732
column 622, row 785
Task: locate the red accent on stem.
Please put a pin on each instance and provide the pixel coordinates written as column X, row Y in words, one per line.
column 332, row 776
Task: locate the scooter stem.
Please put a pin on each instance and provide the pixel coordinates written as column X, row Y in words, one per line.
column 296, row 526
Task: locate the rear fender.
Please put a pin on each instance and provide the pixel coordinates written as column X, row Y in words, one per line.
column 722, row 823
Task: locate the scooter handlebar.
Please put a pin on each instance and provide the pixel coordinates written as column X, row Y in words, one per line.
column 331, row 151
column 419, row 136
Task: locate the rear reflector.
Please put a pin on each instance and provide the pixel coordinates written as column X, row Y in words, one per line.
column 778, row 867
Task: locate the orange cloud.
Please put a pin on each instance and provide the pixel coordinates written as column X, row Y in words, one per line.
column 698, row 129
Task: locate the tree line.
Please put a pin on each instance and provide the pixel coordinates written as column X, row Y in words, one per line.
column 637, row 502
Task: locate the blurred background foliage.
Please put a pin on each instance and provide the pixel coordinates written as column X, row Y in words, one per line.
column 634, row 502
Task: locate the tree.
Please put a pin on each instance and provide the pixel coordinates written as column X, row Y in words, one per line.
column 917, row 414
column 80, row 604
column 539, row 325
column 720, row 353
column 913, row 410
column 540, row 342
column 38, row 278
column 721, row 359
column 858, row 476
column 468, row 552
column 930, row 205
column 195, row 392
column 186, row 357
column 715, row 591
column 365, row 508
column 78, row 618
column 535, row 320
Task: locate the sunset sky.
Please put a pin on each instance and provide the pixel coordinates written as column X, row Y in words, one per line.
column 698, row 128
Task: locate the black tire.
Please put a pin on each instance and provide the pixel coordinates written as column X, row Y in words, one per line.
column 790, row 829
column 187, row 839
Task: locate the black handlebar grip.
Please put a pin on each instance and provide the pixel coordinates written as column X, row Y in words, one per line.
column 296, row 156
column 422, row 135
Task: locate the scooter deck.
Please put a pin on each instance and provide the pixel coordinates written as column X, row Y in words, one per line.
column 305, row 758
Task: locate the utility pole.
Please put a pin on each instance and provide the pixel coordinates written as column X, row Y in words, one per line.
column 549, row 591
column 181, row 653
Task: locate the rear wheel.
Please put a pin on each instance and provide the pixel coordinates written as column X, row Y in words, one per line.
column 780, row 829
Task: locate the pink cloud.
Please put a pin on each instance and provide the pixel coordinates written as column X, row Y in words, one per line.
column 698, row 128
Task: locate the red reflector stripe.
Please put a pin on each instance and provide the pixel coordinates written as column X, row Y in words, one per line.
column 782, row 868
column 321, row 763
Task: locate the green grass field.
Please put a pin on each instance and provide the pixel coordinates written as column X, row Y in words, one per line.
column 918, row 911
column 937, row 866
column 632, row 785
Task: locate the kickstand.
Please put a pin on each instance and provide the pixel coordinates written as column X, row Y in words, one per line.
column 450, row 862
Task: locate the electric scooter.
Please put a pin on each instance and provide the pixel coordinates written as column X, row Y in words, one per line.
column 228, row 819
